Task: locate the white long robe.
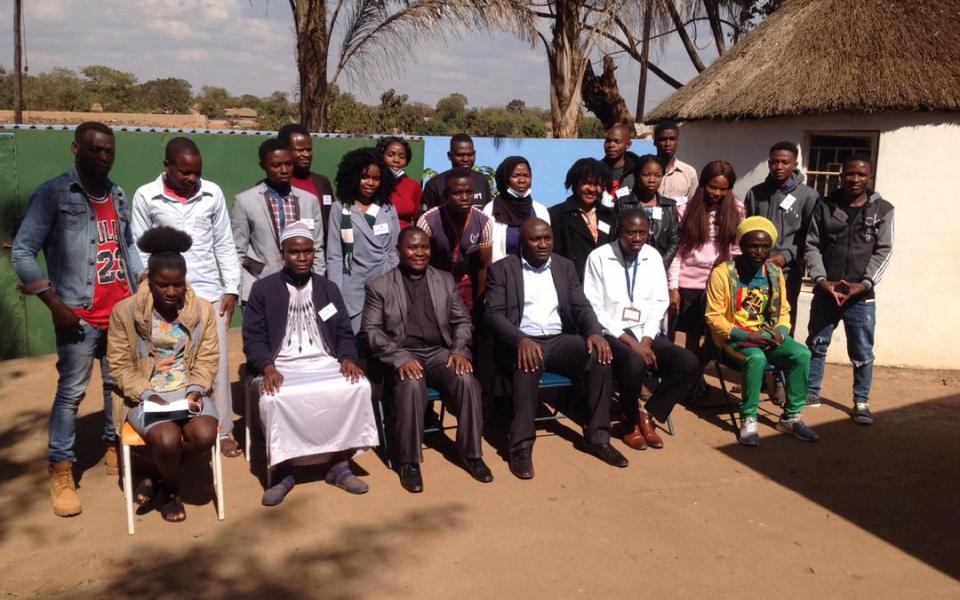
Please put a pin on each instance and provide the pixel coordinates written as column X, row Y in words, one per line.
column 317, row 411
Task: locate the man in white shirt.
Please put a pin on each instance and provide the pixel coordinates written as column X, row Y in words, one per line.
column 680, row 180
column 540, row 321
column 626, row 283
column 180, row 198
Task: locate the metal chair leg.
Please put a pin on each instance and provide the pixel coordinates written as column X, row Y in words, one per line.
column 726, row 398
column 217, row 465
column 128, row 487
column 670, row 429
column 382, row 424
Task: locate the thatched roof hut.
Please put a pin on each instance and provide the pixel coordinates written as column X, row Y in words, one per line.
column 835, row 77
column 818, row 56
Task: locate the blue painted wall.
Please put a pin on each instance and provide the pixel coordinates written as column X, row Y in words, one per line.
column 549, row 158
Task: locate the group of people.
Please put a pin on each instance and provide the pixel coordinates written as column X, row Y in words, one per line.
column 374, row 291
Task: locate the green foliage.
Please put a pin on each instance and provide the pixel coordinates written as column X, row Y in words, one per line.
column 213, row 101
column 591, row 128
column 452, row 109
column 114, row 90
column 57, row 89
column 167, row 96
column 516, row 106
column 274, row 111
column 390, row 115
column 349, row 115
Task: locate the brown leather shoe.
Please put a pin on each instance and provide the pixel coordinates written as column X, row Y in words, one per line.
column 112, row 461
column 649, row 431
column 634, row 439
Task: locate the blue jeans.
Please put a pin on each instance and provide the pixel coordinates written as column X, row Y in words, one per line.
column 77, row 352
column 859, row 322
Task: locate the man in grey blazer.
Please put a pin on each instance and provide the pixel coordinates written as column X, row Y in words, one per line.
column 261, row 213
column 415, row 323
column 540, row 320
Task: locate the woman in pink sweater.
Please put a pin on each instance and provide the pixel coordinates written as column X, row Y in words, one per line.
column 708, row 235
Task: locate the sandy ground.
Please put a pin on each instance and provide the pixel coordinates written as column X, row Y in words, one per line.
column 868, row 512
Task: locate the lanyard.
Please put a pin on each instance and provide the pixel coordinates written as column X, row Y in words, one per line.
column 626, row 275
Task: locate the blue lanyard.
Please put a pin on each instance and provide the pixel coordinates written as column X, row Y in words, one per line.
column 626, row 275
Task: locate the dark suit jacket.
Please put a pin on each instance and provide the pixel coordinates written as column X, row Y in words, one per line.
column 385, row 309
column 265, row 321
column 505, row 299
column 571, row 236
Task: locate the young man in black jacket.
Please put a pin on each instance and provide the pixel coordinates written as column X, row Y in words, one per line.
column 848, row 249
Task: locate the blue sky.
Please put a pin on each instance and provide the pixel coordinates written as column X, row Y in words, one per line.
column 247, row 46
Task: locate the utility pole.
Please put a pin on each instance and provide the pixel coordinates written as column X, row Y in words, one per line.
column 644, row 59
column 17, row 62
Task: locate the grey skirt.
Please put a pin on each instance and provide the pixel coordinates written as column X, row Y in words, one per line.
column 143, row 422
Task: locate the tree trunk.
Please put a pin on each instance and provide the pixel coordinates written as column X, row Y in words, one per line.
column 567, row 63
column 644, row 58
column 685, row 37
column 602, row 95
column 713, row 16
column 313, row 44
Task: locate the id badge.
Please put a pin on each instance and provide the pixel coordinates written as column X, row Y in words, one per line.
column 631, row 314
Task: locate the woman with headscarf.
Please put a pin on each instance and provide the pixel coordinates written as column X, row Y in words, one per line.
column 363, row 228
column 513, row 205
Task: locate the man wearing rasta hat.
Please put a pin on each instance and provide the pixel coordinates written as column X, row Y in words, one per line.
column 748, row 315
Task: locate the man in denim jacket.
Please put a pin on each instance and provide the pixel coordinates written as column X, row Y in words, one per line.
column 81, row 221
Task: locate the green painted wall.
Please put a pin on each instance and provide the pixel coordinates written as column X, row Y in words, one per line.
column 30, row 157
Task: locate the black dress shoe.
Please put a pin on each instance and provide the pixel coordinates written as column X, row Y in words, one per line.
column 521, row 464
column 478, row 469
column 410, row 478
column 607, row 454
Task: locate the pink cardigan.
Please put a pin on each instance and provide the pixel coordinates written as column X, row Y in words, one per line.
column 693, row 269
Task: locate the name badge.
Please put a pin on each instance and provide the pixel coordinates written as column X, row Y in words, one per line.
column 381, row 229
column 631, row 314
column 657, row 212
column 327, row 311
column 310, row 223
column 681, row 200
column 603, row 227
column 839, row 215
column 622, row 192
column 788, row 202
column 607, row 200
column 327, row 199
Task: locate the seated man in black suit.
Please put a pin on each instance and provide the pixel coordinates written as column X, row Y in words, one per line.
column 416, row 324
column 541, row 321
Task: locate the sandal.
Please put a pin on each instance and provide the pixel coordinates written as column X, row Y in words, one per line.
column 230, row 448
column 172, row 509
column 144, row 492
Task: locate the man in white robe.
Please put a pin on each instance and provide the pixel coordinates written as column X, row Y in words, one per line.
column 315, row 402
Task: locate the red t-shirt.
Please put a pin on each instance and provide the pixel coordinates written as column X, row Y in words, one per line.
column 406, row 201
column 306, row 185
column 173, row 195
column 110, row 283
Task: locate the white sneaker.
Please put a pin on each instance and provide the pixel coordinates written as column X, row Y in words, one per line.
column 797, row 428
column 748, row 432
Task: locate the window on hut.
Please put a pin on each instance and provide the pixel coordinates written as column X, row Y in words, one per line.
column 827, row 152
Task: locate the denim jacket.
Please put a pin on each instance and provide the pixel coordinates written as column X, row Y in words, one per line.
column 61, row 222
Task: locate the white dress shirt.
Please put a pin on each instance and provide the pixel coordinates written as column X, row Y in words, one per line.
column 212, row 265
column 605, row 285
column 541, row 314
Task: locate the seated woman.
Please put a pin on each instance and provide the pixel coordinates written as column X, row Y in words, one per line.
column 708, row 231
column 164, row 354
column 363, row 228
column 749, row 318
column 583, row 223
column 405, row 199
column 662, row 211
column 513, row 205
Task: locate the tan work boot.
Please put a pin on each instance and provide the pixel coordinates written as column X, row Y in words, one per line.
column 63, row 492
column 113, row 461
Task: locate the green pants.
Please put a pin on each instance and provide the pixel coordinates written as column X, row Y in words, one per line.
column 790, row 357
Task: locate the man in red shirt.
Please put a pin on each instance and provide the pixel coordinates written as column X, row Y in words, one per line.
column 81, row 221
column 297, row 137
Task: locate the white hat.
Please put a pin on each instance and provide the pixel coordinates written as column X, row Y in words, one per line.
column 296, row 229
